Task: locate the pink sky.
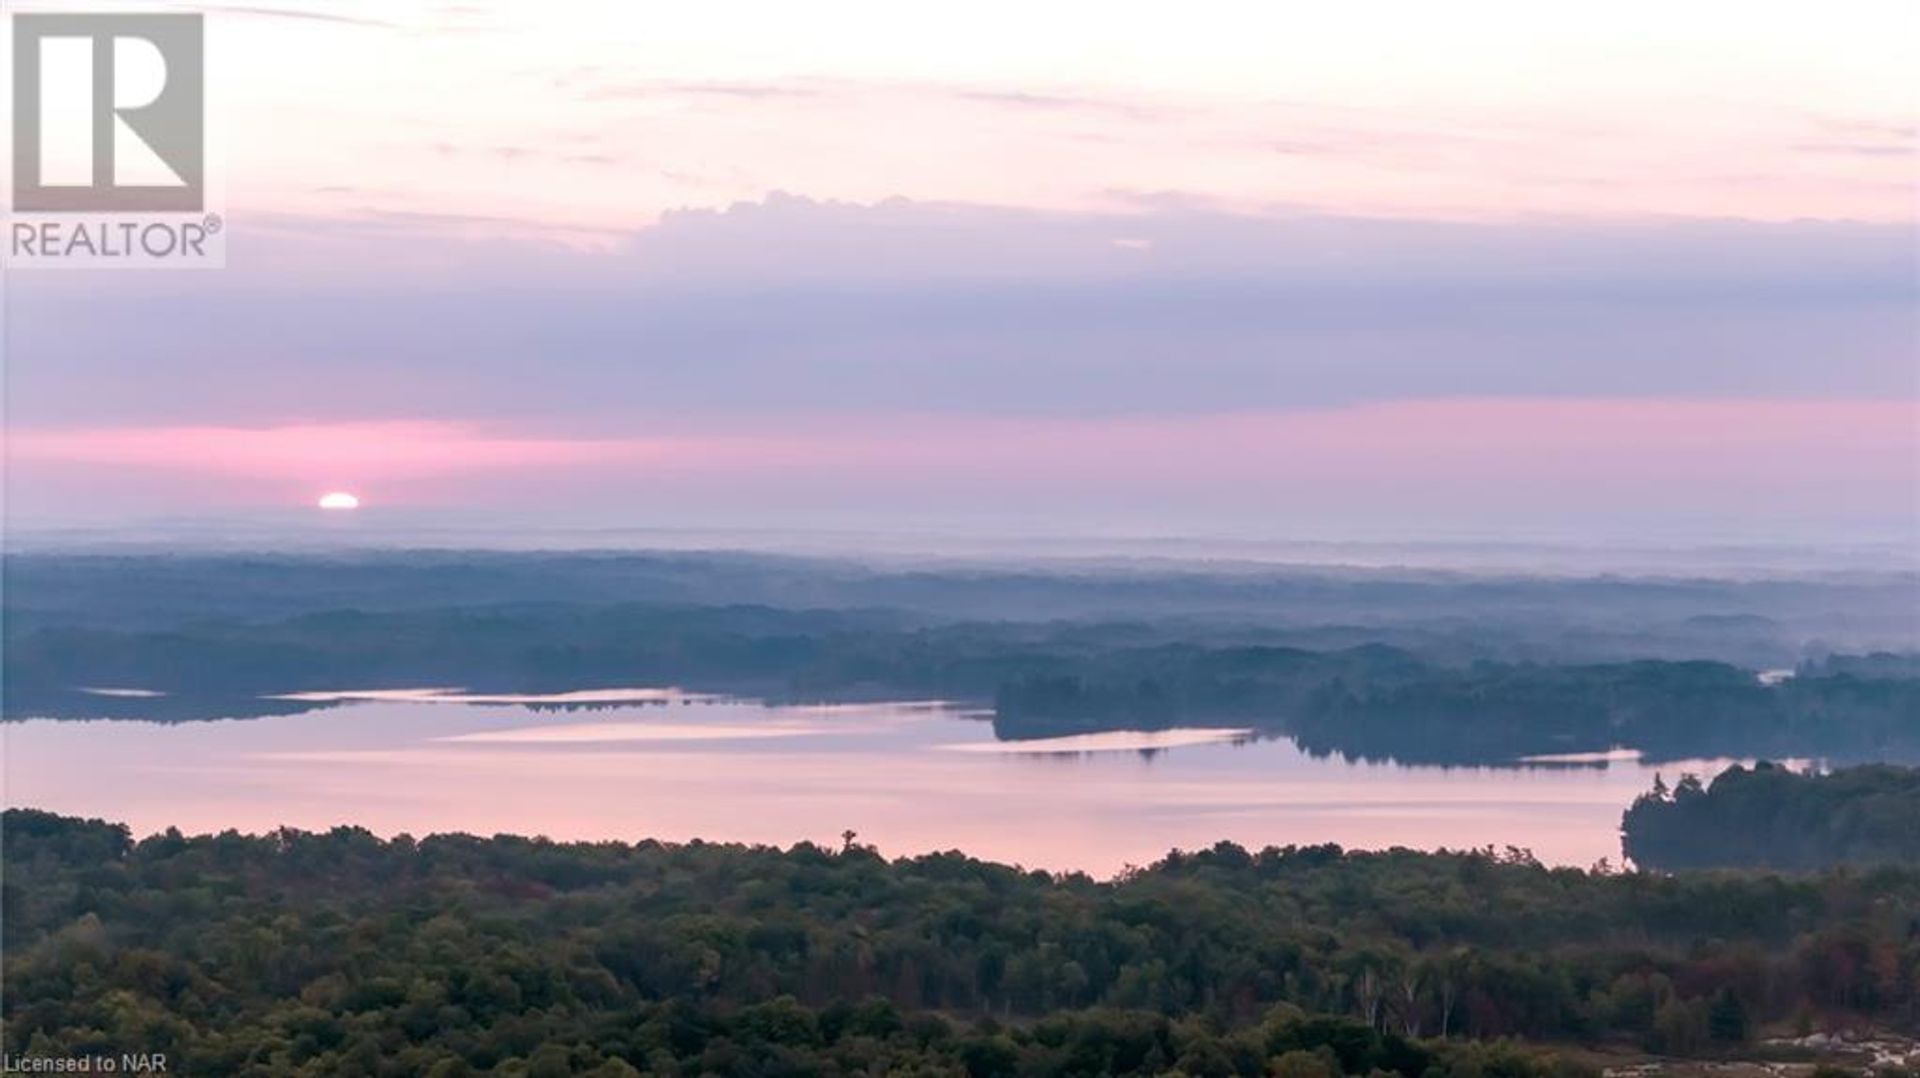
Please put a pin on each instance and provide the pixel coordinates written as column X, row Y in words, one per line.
column 592, row 118
column 1744, row 458
column 1481, row 261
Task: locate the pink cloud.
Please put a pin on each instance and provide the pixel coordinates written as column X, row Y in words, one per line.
column 1475, row 440
column 317, row 451
column 1764, row 456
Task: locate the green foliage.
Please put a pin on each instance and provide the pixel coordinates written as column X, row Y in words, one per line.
column 341, row 953
column 1772, row 817
column 1727, row 1017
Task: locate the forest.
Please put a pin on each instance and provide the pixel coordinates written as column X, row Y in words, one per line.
column 342, row 953
column 1762, row 621
column 1367, row 700
column 1415, row 666
column 1769, row 816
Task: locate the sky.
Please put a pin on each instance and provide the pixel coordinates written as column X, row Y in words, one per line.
column 1271, row 270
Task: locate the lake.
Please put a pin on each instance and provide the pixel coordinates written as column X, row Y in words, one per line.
column 908, row 777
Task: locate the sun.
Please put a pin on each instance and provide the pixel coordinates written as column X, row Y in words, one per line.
column 339, row 499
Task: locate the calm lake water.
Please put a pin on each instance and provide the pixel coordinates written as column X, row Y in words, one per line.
column 908, row 777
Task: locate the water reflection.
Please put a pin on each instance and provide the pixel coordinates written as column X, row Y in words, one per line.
column 460, row 696
column 907, row 777
column 1146, row 742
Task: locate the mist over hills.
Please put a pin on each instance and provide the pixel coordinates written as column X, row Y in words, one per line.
column 1431, row 666
column 1763, row 622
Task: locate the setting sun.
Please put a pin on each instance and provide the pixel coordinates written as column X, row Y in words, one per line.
column 967, row 537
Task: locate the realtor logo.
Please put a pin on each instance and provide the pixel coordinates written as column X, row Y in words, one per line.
column 109, row 113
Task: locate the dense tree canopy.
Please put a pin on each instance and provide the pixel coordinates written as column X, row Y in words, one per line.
column 1773, row 817
column 341, row 953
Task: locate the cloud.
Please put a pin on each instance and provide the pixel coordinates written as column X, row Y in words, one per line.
column 310, row 14
column 1443, row 461
column 1056, row 101
column 790, row 305
column 1862, row 149
column 599, row 85
column 394, row 450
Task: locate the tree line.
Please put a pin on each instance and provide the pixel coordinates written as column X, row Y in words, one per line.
column 342, row 953
column 1769, row 816
column 1369, row 700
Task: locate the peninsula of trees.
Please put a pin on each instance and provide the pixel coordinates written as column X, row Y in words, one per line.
column 1769, row 816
